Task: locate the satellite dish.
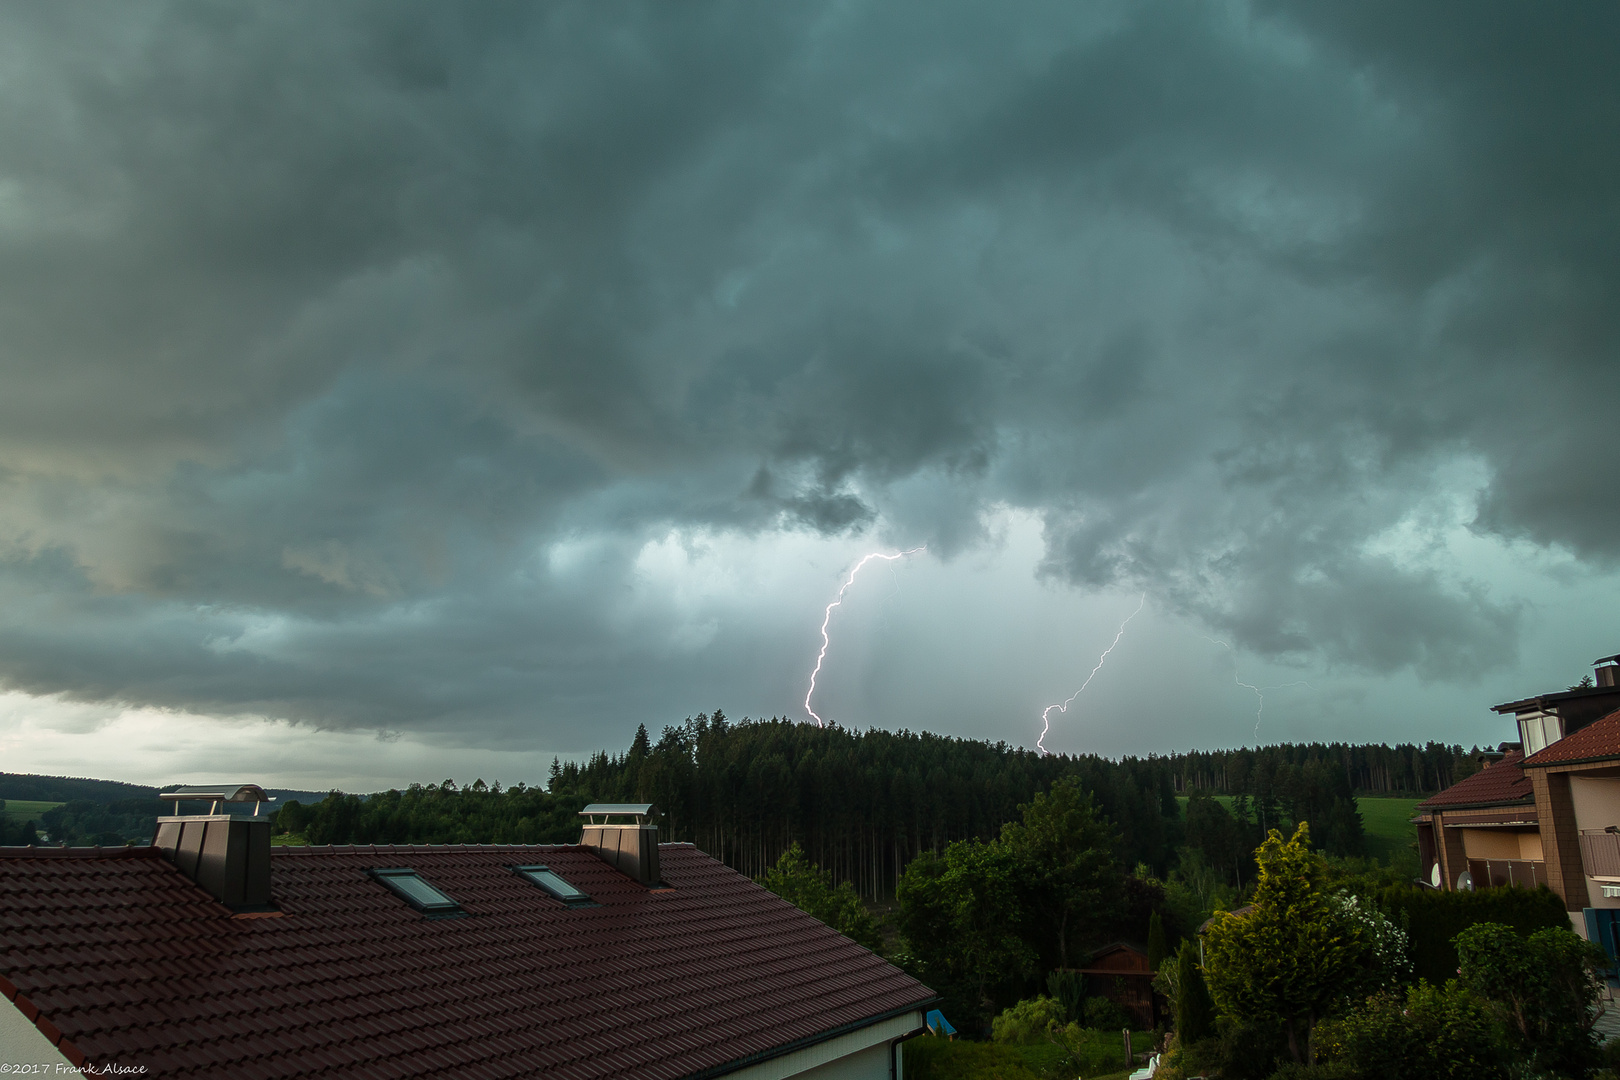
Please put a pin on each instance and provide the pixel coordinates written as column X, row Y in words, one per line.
column 1465, row 882
column 1434, row 876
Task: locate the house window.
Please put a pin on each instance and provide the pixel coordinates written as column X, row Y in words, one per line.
column 1611, row 891
column 1540, row 730
column 553, row 883
column 412, row 888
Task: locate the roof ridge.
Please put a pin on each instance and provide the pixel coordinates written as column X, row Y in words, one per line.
column 123, row 851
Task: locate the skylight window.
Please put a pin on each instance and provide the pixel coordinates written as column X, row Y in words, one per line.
column 553, row 883
column 412, row 888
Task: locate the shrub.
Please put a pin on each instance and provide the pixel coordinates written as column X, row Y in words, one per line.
column 1068, row 987
column 1105, row 1015
column 1545, row 987
column 1036, row 1020
column 1248, row 1050
column 1327, row 1070
column 1426, row 1033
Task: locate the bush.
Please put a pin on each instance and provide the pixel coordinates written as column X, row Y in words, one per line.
column 1434, row 919
column 1068, row 987
column 1325, row 1070
column 1426, row 1032
column 1183, row 1059
column 1105, row 1015
column 1545, row 988
column 1035, row 1020
column 1249, row 1051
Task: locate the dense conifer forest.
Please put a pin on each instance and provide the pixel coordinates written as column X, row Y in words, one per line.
column 864, row 804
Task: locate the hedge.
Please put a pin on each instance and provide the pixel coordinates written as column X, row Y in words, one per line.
column 1434, row 918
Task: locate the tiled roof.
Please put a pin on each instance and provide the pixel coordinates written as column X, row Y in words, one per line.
column 1502, row 782
column 133, row 964
column 1599, row 739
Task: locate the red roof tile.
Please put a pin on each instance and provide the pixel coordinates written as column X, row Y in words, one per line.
column 136, row 965
column 1501, row 782
column 1599, row 739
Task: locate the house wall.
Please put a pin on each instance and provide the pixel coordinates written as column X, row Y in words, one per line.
column 862, row 1054
column 1597, row 801
column 1560, row 841
column 1501, row 844
column 21, row 1043
column 1490, row 843
column 869, row 1064
column 1597, row 806
column 1596, row 899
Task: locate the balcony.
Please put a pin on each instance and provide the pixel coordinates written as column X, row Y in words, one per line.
column 1600, row 853
column 1491, row 873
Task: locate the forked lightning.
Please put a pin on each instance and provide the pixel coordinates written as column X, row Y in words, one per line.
column 827, row 618
column 1046, row 715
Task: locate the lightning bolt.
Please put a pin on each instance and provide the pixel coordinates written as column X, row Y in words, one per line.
column 827, row 618
column 1259, row 691
column 1046, row 715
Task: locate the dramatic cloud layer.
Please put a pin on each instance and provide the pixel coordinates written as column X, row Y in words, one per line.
column 487, row 369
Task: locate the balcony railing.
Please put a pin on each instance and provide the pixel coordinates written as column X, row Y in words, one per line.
column 1490, row 873
column 1600, row 854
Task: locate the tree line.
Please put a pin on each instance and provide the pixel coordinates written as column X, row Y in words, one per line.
column 864, row 805
column 1368, row 768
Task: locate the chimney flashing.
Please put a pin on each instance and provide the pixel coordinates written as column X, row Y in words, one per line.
column 227, row 855
column 632, row 849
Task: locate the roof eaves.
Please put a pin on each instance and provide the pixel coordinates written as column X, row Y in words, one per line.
column 1531, row 763
column 1554, row 697
column 1527, row 800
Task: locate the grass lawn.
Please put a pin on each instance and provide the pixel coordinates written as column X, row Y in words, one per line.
column 27, row 809
column 1387, row 821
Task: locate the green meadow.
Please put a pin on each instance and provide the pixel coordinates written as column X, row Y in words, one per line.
column 1387, row 821
column 27, row 809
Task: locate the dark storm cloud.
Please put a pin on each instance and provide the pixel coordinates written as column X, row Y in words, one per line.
column 320, row 326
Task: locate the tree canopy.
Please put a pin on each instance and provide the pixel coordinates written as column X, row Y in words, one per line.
column 1300, row 950
column 801, row 883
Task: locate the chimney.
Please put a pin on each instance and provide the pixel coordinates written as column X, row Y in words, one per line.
column 1607, row 670
column 225, row 854
column 631, row 848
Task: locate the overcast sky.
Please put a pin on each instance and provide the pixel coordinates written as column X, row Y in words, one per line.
column 393, row 391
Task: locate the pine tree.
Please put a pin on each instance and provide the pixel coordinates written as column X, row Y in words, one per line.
column 1194, row 1010
column 1156, row 948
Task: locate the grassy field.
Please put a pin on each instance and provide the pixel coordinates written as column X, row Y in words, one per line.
column 27, row 809
column 1388, row 822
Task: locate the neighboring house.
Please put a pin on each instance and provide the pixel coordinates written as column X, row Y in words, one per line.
column 211, row 955
column 1577, row 787
column 1120, row 973
column 1547, row 813
column 1482, row 831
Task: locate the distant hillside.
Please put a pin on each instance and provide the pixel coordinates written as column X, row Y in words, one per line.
column 69, row 789
column 30, row 787
column 79, row 810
